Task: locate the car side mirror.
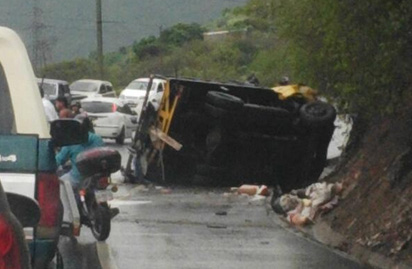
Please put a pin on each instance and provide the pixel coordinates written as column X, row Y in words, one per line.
column 26, row 210
column 65, row 132
column 133, row 120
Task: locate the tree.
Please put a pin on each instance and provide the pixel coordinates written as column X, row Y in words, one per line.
column 181, row 33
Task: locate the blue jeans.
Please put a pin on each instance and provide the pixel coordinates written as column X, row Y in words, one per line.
column 74, row 182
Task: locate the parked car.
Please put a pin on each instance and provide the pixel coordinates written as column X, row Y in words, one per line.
column 135, row 92
column 85, row 88
column 54, row 89
column 27, row 160
column 233, row 133
column 111, row 118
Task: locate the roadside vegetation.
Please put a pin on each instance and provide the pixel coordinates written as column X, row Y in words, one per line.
column 358, row 52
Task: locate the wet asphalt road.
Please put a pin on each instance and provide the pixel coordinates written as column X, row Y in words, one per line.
column 198, row 228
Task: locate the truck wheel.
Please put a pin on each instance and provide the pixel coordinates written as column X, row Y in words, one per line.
column 266, row 119
column 317, row 114
column 224, row 100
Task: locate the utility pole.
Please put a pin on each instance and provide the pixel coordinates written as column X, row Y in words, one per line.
column 36, row 29
column 99, row 28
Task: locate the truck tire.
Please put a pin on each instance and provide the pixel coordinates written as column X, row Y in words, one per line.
column 317, row 113
column 267, row 119
column 224, row 100
column 218, row 112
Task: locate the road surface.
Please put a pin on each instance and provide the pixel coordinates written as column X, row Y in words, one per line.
column 199, row 228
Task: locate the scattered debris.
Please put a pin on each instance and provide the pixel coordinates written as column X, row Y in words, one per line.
column 258, row 200
column 252, row 190
column 141, row 188
column 165, row 191
column 303, row 205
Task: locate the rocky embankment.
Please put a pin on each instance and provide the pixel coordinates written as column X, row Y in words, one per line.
column 374, row 215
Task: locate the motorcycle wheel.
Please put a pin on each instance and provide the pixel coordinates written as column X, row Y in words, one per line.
column 100, row 222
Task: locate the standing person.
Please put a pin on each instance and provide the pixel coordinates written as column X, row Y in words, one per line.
column 61, row 103
column 284, row 81
column 49, row 109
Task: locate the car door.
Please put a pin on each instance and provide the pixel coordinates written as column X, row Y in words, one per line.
column 109, row 91
column 66, row 92
column 103, row 90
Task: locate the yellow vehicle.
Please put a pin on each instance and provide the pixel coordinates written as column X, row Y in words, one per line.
column 226, row 133
column 295, row 91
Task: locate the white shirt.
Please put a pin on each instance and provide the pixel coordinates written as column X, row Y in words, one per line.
column 50, row 111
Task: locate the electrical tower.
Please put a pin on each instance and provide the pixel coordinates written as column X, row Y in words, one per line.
column 41, row 46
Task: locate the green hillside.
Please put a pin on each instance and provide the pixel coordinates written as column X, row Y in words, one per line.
column 68, row 27
column 363, row 61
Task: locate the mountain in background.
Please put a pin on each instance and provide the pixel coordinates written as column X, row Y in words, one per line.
column 66, row 29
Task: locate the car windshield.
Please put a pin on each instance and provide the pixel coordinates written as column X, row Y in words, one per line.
column 138, row 85
column 98, row 107
column 49, row 89
column 83, row 86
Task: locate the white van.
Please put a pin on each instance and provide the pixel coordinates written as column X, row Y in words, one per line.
column 85, row 88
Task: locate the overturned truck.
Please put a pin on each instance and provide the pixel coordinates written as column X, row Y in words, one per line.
column 229, row 133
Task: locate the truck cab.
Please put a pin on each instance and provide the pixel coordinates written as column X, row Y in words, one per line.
column 27, row 160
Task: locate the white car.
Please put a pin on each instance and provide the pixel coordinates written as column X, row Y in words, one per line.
column 111, row 118
column 85, row 88
column 54, row 89
column 135, row 92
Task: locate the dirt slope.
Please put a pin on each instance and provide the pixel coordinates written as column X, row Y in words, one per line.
column 376, row 209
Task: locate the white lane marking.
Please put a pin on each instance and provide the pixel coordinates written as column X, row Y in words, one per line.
column 121, row 202
column 105, row 256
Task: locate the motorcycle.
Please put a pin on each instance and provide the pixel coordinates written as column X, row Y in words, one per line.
column 95, row 167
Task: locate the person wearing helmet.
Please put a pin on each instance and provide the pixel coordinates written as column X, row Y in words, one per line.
column 76, row 108
column 284, row 81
